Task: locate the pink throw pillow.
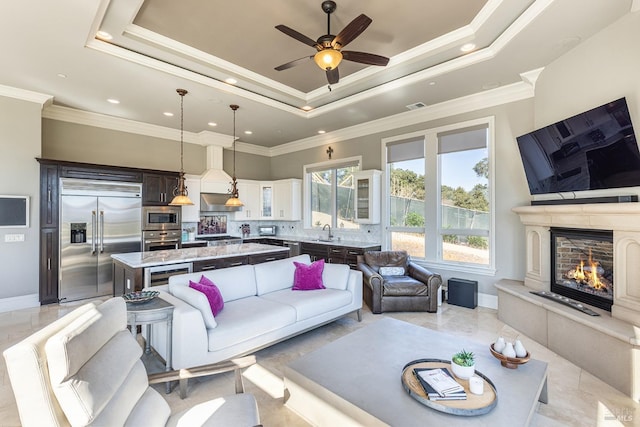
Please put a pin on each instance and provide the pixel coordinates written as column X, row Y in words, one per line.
column 308, row 277
column 211, row 291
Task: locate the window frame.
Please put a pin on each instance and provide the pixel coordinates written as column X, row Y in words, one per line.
column 306, row 183
column 433, row 256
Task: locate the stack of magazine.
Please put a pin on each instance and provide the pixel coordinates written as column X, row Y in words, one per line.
column 439, row 384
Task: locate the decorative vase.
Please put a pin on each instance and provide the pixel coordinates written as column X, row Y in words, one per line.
column 462, row 372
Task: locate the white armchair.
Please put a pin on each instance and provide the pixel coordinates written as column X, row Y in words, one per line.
column 85, row 369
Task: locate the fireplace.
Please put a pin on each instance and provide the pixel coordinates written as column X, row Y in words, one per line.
column 582, row 265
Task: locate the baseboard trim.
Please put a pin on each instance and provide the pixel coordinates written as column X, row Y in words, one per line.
column 18, row 303
column 488, row 301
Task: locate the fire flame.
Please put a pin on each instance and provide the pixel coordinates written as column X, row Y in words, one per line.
column 588, row 276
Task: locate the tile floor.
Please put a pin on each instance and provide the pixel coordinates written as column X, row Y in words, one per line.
column 576, row 398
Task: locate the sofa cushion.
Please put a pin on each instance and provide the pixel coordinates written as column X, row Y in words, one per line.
column 198, row 300
column 336, row 276
column 234, row 282
column 94, row 361
column 211, row 291
column 248, row 318
column 276, row 275
column 236, row 410
column 403, row 286
column 311, row 303
column 308, row 277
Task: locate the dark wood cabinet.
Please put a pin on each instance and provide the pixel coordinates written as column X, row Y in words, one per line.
column 215, row 264
column 101, row 173
column 259, row 259
column 48, row 196
column 157, row 189
column 49, row 253
column 336, row 254
column 126, row 279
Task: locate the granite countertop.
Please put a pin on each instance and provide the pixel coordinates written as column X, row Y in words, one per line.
column 175, row 256
column 334, row 242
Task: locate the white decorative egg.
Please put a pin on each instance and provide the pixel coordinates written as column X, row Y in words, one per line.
column 499, row 345
column 519, row 348
column 508, row 350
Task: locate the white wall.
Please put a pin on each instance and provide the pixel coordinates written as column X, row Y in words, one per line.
column 20, row 128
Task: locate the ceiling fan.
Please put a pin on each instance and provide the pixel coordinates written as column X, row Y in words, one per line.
column 329, row 47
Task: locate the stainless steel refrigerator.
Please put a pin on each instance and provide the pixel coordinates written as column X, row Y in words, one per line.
column 98, row 218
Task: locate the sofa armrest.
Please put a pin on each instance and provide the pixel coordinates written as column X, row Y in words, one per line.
column 354, row 285
column 432, row 280
column 190, row 341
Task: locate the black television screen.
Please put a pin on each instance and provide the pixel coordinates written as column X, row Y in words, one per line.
column 590, row 151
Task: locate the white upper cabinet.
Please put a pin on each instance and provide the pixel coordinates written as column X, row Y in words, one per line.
column 367, row 200
column 249, row 194
column 192, row 213
column 287, row 199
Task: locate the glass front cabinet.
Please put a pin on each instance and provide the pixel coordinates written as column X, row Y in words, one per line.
column 367, row 200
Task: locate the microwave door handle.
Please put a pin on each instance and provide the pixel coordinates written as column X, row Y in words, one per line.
column 101, row 232
column 93, row 232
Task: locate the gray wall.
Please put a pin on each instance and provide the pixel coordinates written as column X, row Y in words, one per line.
column 19, row 175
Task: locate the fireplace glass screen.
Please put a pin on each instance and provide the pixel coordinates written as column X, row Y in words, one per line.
column 582, row 265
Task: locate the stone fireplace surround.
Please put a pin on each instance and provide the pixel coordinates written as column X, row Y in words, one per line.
column 607, row 346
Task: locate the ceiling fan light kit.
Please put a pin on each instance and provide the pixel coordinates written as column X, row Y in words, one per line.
column 330, row 47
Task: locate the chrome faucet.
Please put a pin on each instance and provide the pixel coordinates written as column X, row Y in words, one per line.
column 330, row 236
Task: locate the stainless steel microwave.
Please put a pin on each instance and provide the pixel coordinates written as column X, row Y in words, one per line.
column 161, row 218
column 267, row 230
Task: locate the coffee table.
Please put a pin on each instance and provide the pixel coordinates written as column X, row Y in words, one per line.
column 356, row 380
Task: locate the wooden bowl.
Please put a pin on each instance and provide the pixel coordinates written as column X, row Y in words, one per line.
column 509, row 362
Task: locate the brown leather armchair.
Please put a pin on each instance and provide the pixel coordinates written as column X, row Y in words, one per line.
column 410, row 287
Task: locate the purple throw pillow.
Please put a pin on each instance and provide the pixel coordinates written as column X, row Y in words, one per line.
column 211, row 291
column 308, row 277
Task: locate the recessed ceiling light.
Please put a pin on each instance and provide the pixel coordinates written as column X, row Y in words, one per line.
column 432, row 83
column 322, row 131
column 307, row 108
column 212, row 124
column 62, row 75
column 248, row 132
column 113, row 101
column 104, row 35
column 468, row 47
column 231, row 81
column 168, row 114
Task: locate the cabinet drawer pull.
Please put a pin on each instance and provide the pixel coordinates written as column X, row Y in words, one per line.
column 235, row 264
column 209, row 267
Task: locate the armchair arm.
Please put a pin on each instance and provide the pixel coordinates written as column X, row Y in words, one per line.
column 373, row 281
column 432, row 280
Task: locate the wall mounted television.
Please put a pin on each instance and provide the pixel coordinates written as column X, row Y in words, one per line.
column 594, row 150
column 14, row 211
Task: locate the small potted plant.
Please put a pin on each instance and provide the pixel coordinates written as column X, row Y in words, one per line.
column 463, row 364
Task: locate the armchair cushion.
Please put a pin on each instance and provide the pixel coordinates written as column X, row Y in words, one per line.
column 403, row 286
column 392, row 271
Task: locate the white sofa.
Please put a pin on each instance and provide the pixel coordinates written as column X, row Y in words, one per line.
column 260, row 309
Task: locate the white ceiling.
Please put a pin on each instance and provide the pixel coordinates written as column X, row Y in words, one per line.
column 161, row 45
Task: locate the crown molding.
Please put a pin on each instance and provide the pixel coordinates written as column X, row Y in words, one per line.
column 635, row 6
column 503, row 95
column 26, row 95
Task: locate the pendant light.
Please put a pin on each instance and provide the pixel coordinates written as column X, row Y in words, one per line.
column 180, row 193
column 234, row 201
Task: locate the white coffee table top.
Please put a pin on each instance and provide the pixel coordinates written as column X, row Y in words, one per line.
column 360, row 375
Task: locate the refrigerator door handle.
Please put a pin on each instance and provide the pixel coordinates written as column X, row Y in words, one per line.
column 101, row 232
column 93, row 232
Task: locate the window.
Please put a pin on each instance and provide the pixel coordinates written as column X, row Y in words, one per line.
column 406, row 168
column 439, row 195
column 329, row 194
column 464, row 196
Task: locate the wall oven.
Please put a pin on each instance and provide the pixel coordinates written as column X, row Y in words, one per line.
column 161, row 240
column 161, row 218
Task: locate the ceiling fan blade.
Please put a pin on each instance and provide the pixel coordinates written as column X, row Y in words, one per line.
column 333, row 76
column 364, row 58
column 293, row 63
column 296, row 35
column 351, row 31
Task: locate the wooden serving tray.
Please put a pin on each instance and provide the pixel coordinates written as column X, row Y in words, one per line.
column 473, row 405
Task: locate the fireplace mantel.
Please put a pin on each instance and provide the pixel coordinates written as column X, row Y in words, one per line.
column 622, row 218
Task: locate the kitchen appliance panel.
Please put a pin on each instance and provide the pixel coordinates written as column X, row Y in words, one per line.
column 161, row 240
column 161, row 218
column 267, row 230
column 119, row 225
column 77, row 257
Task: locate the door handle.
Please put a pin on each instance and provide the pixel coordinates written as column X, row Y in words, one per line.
column 93, row 232
column 101, row 232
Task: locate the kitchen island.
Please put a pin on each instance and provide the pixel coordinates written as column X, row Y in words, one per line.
column 137, row 270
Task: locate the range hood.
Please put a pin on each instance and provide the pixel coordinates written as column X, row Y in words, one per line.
column 215, row 184
column 215, row 202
